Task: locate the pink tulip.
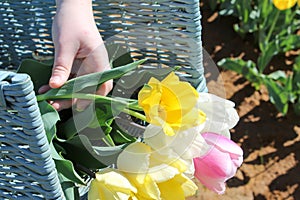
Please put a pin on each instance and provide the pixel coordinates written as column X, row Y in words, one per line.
column 219, row 164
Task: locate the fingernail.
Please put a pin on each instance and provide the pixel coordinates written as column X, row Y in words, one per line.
column 55, row 81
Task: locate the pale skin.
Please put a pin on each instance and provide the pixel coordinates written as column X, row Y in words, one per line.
column 79, row 48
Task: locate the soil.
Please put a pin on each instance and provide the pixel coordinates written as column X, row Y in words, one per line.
column 271, row 142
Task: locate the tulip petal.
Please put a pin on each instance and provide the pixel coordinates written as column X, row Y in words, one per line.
column 188, row 186
column 177, row 188
column 162, row 173
column 220, row 113
column 284, row 4
column 134, row 158
column 147, row 188
column 171, row 190
column 109, row 184
column 186, row 143
column 115, row 180
column 210, row 174
column 99, row 192
column 158, row 161
column 219, row 164
column 224, row 144
column 170, row 104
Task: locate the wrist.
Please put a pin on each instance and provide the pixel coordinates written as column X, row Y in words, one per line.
column 74, row 2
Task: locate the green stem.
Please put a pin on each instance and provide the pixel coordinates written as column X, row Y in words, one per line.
column 272, row 26
column 108, row 140
column 81, row 96
column 135, row 114
column 131, row 104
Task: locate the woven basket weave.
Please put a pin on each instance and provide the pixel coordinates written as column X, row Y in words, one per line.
column 27, row 170
column 167, row 33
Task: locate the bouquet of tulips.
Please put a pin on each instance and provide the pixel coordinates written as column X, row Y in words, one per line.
column 185, row 137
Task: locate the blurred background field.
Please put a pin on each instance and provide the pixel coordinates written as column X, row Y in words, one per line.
column 270, row 137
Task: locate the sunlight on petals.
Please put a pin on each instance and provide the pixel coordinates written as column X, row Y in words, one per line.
column 146, row 187
column 221, row 115
column 177, row 188
column 285, row 4
column 162, row 173
column 110, row 184
column 219, row 164
column 135, row 158
column 170, row 104
column 187, row 144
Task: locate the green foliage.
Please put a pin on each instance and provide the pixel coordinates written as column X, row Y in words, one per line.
column 246, row 68
column 75, row 138
column 83, row 142
column 275, row 33
column 39, row 72
column 90, row 81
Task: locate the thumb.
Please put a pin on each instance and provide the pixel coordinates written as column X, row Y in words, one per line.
column 63, row 61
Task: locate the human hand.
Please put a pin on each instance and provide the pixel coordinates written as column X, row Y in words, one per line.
column 79, row 48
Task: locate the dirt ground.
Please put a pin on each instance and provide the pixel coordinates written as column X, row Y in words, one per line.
column 271, row 168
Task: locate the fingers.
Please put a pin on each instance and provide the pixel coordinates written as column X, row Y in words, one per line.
column 57, row 104
column 97, row 61
column 105, row 88
column 64, row 56
column 44, row 89
column 65, row 63
column 61, row 104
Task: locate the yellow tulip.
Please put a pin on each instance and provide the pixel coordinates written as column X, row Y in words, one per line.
column 285, row 4
column 179, row 187
column 111, row 185
column 157, row 176
column 171, row 104
column 147, row 189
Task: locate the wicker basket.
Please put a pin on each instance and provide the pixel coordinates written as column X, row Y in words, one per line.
column 167, row 33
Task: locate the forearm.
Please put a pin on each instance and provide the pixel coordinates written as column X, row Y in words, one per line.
column 80, row 5
column 74, row 11
column 80, row 2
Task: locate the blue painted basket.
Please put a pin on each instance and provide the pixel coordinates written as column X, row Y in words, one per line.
column 167, row 33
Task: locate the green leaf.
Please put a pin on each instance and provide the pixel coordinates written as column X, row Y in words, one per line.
column 65, row 167
column 80, row 150
column 118, row 55
column 119, row 136
column 245, row 68
column 228, row 7
column 90, row 81
column 104, row 115
column 96, row 116
column 278, row 95
column 278, row 75
column 78, row 122
column 296, row 107
column 289, row 42
column 264, row 9
column 276, row 46
column 69, row 188
column 271, row 49
column 39, row 72
column 296, row 75
column 50, row 117
column 141, row 76
column 105, row 112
